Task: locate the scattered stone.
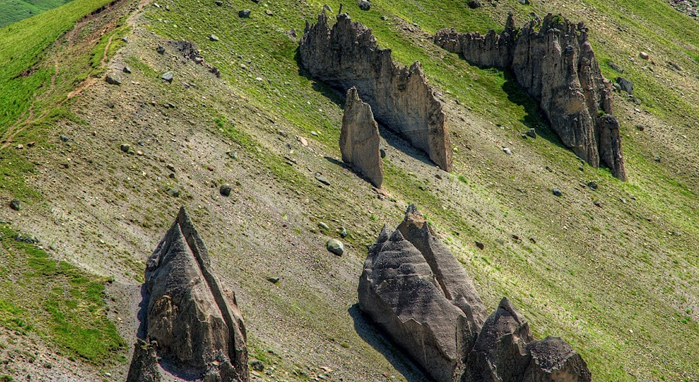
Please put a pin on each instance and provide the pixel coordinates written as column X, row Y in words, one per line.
column 593, row 185
column 125, row 147
column 557, row 192
column 273, row 280
column 323, row 226
column 191, row 325
column 16, row 205
column 173, row 192
column 674, row 66
column 507, row 150
column 348, row 55
column 480, row 245
column 343, row 232
column 524, row 2
column 112, row 79
column 244, row 13
column 225, row 190
column 219, row 3
column 268, row 12
column 473, row 4
column 359, row 138
column 319, row 177
column 554, row 63
column 168, row 76
column 640, row 127
column 335, row 246
column 384, row 18
column 643, row 55
column 64, row 138
column 616, row 67
column 232, row 154
column 213, row 37
column 160, row 49
column 257, row 365
column 126, row 70
column 625, row 85
column 531, row 133
column 657, row 159
column 364, row 5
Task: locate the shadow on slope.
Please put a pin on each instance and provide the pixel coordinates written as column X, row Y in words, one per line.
column 381, row 344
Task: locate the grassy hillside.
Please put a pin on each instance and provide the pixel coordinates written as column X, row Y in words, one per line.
column 612, row 271
column 12, row 11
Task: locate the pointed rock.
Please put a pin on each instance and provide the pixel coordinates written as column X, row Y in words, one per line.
column 449, row 273
column 500, row 352
column 553, row 359
column 398, row 291
column 554, row 63
column 359, row 138
column 193, row 328
column 348, row 55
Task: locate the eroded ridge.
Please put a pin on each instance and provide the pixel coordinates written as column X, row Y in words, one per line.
column 554, row 63
column 418, row 293
column 191, row 329
column 347, row 55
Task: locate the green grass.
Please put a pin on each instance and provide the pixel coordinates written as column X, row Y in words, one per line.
column 12, row 11
column 57, row 300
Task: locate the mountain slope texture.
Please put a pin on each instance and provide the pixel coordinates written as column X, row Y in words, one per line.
column 115, row 114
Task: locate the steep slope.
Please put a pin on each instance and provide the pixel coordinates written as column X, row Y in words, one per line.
column 610, row 269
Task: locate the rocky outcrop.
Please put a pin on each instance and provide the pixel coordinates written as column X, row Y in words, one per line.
column 359, row 138
column 416, row 291
column 347, row 55
column 192, row 329
column 554, row 63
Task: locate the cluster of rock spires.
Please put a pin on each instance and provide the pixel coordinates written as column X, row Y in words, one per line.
column 553, row 61
column 419, row 294
column 347, row 55
column 191, row 330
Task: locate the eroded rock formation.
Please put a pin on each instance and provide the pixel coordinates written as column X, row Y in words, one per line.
column 416, row 291
column 554, row 63
column 347, row 55
column 359, row 138
column 192, row 329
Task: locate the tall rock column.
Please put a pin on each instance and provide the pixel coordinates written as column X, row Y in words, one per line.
column 347, row 55
column 359, row 138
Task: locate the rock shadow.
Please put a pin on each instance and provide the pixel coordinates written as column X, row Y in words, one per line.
column 399, row 143
column 534, row 117
column 334, row 95
column 380, row 343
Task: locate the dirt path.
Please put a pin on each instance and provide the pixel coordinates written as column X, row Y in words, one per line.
column 71, row 37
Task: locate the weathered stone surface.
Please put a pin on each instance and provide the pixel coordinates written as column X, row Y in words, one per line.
column 416, row 291
column 449, row 273
column 194, row 329
column 348, row 55
column 399, row 292
column 359, row 138
column 556, row 66
column 500, row 353
column 553, row 359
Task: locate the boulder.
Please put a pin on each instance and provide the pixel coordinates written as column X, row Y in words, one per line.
column 347, row 55
column 449, row 273
column 553, row 359
column 359, row 138
column 399, row 292
column 500, row 352
column 553, row 61
column 191, row 329
column 418, row 293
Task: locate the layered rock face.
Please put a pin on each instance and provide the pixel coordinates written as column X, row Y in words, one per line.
column 348, row 56
column 554, row 63
column 193, row 330
column 359, row 138
column 415, row 290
